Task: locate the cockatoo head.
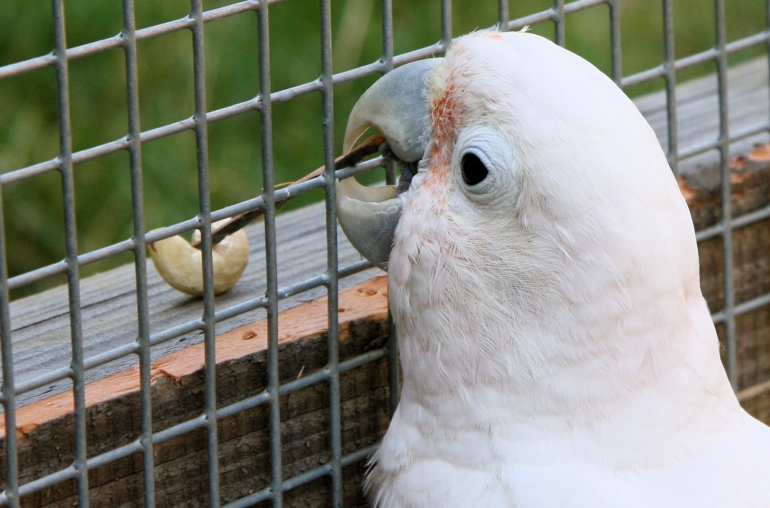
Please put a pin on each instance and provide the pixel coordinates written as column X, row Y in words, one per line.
column 543, row 241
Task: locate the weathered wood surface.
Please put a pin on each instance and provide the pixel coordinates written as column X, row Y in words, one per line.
column 40, row 323
column 41, row 338
column 45, row 427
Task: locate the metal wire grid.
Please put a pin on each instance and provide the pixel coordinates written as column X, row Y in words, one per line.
column 66, row 160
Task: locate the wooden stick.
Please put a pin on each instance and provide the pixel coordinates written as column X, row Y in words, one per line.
column 369, row 147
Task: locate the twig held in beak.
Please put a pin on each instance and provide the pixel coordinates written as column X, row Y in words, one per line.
column 369, row 147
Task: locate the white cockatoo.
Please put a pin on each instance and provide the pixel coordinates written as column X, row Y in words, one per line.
column 543, row 277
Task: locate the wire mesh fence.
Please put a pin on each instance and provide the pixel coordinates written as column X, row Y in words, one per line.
column 65, row 164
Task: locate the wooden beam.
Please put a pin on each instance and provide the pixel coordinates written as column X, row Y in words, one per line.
column 45, row 426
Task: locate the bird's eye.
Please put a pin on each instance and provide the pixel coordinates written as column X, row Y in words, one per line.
column 474, row 171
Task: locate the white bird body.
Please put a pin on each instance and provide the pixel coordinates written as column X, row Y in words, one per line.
column 555, row 346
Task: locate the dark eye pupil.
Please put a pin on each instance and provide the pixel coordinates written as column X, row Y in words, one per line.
column 474, row 170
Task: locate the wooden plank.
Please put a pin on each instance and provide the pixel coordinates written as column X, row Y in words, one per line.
column 45, row 426
column 365, row 301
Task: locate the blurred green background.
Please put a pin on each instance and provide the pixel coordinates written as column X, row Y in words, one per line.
column 28, row 110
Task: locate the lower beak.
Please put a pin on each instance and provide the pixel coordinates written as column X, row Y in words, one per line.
column 369, row 216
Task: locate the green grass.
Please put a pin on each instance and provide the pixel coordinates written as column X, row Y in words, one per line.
column 28, row 109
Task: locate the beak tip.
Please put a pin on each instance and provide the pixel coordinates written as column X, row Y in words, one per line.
column 396, row 106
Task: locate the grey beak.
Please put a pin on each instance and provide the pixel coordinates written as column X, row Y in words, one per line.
column 396, row 106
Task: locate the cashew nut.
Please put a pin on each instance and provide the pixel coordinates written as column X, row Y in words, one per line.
column 180, row 265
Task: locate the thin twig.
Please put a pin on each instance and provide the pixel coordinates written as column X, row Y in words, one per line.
column 369, row 147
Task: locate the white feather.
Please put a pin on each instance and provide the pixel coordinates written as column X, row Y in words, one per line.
column 555, row 346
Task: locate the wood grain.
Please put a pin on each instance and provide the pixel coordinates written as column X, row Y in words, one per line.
column 367, row 301
column 177, row 396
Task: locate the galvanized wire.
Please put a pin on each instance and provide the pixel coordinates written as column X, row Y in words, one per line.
column 77, row 371
column 670, row 70
column 204, row 216
column 724, row 162
column 502, row 15
column 332, row 361
column 559, row 28
column 262, row 103
column 616, row 53
column 11, row 493
column 268, row 196
column 391, row 347
column 140, row 253
column 446, row 25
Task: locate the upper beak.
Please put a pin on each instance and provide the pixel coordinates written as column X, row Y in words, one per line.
column 396, row 106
